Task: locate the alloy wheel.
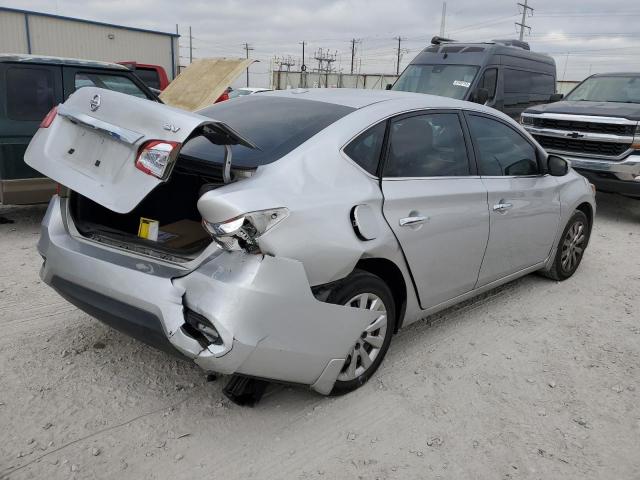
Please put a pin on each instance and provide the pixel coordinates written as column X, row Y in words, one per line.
column 367, row 347
column 573, row 246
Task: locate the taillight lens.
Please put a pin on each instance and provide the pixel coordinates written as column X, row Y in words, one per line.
column 156, row 156
column 48, row 119
column 241, row 233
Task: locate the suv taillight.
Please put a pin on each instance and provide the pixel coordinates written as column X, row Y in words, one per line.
column 46, row 121
column 156, row 156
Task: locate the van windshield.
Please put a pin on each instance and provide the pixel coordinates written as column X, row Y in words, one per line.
column 623, row 89
column 445, row 80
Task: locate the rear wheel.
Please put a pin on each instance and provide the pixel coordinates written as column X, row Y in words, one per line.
column 365, row 290
column 571, row 247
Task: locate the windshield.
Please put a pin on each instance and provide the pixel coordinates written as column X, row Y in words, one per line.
column 445, row 80
column 607, row 89
column 276, row 125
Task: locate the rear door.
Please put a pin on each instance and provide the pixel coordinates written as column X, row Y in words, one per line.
column 524, row 202
column 27, row 93
column 435, row 203
column 92, row 144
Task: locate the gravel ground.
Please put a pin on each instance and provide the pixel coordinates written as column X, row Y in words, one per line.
column 536, row 379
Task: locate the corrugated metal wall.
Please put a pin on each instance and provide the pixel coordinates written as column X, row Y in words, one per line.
column 78, row 39
column 13, row 35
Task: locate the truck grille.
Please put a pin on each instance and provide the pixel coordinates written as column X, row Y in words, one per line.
column 591, row 127
column 583, row 146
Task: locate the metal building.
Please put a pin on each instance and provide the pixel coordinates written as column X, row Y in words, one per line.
column 23, row 31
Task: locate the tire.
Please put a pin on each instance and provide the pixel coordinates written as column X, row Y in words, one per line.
column 571, row 246
column 361, row 289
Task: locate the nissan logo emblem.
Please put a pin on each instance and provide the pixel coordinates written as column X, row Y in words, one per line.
column 94, row 103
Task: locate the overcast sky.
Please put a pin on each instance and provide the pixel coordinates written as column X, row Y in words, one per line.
column 599, row 35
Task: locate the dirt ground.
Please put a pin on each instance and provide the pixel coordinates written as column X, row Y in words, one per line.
column 536, row 380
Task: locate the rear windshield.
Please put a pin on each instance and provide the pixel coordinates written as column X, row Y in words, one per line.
column 275, row 125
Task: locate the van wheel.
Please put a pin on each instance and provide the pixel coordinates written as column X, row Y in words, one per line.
column 570, row 250
column 364, row 290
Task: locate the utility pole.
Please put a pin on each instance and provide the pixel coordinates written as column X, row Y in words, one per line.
column 443, row 19
column 303, row 69
column 247, row 48
column 522, row 23
column 324, row 58
column 190, row 46
column 399, row 38
column 353, row 51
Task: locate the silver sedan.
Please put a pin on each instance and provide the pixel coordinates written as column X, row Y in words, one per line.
column 287, row 236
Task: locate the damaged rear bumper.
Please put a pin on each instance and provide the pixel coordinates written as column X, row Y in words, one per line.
column 270, row 324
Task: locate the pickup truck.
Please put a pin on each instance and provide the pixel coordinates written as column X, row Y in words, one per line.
column 596, row 127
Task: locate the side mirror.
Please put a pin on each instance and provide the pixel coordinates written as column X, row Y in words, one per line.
column 389, row 86
column 481, row 95
column 557, row 166
column 556, row 97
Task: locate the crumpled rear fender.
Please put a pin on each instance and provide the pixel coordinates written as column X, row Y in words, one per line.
column 263, row 307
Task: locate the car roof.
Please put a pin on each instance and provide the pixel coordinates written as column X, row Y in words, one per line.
column 360, row 97
column 48, row 60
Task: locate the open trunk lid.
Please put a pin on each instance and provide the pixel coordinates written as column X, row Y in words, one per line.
column 92, row 144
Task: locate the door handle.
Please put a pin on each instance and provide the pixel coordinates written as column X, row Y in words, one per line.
column 408, row 221
column 502, row 206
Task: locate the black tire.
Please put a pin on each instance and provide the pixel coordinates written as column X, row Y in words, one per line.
column 361, row 282
column 561, row 270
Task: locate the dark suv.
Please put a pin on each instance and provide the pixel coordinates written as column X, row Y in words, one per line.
column 30, row 86
column 597, row 128
column 503, row 74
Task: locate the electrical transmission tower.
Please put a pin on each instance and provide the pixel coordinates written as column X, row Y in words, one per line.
column 325, row 61
column 522, row 24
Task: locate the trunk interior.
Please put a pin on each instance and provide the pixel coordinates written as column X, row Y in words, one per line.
column 172, row 204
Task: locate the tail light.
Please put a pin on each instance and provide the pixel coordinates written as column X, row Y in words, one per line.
column 46, row 121
column 241, row 232
column 156, row 156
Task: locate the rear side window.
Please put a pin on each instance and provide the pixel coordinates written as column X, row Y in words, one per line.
column 117, row 83
column 520, row 81
column 276, row 125
column 149, row 76
column 501, row 150
column 429, row 145
column 365, row 148
column 30, row 93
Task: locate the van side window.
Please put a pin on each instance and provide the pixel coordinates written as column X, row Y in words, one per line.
column 520, row 81
column 501, row 150
column 489, row 81
column 30, row 93
column 365, row 148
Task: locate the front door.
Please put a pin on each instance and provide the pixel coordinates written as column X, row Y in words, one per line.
column 435, row 204
column 524, row 203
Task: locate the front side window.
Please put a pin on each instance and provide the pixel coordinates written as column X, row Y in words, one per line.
column 117, row 83
column 365, row 148
column 445, row 80
column 501, row 151
column 30, row 93
column 429, row 145
column 623, row 89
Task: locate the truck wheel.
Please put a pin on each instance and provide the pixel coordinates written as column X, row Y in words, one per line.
column 570, row 250
column 364, row 290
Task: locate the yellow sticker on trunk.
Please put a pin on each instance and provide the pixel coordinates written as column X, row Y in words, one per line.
column 148, row 229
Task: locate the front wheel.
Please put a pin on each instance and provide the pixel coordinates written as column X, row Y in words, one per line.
column 571, row 248
column 365, row 290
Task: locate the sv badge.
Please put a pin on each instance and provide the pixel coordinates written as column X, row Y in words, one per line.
column 169, row 127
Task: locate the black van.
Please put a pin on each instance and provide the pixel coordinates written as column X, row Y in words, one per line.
column 30, row 86
column 503, row 74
